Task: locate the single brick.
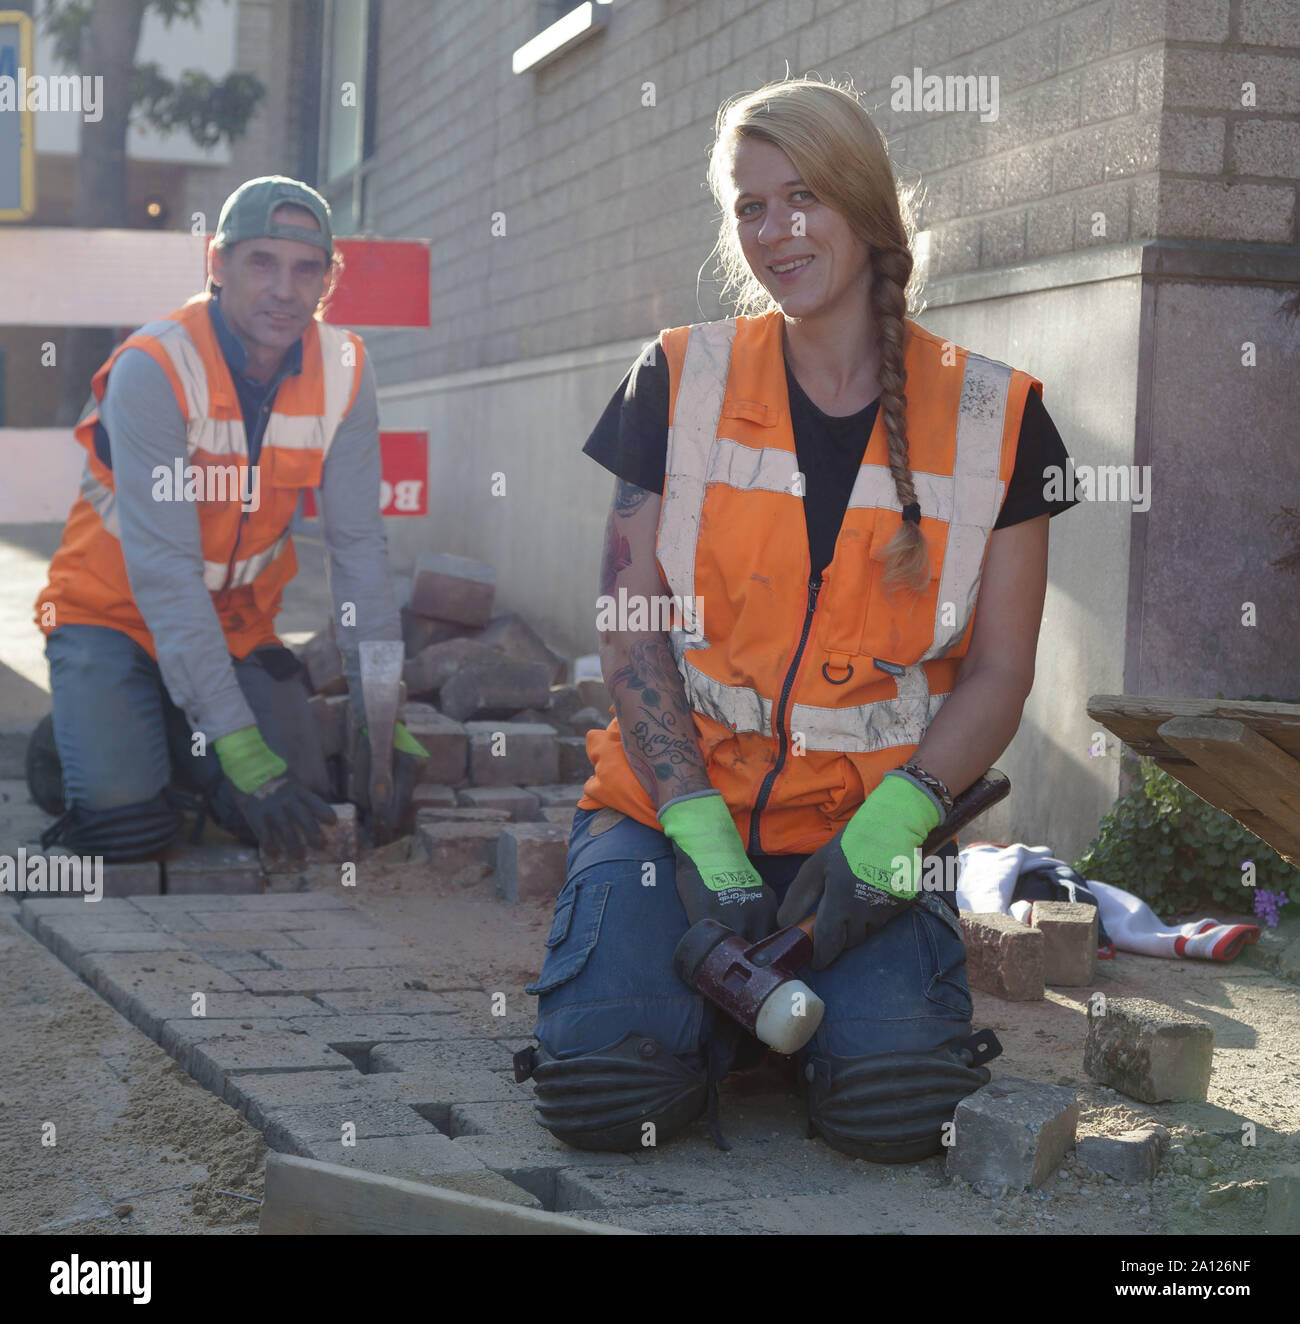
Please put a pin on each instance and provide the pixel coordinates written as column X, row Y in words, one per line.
column 511, row 754
column 210, row 867
column 559, row 814
column 1283, row 1215
column 1003, row 956
column 212, row 1050
column 418, row 632
column 463, row 852
column 1148, row 1051
column 531, row 860
column 324, row 663
column 453, row 588
column 1069, row 942
column 1132, row 1157
column 494, row 689
column 565, row 701
column 522, row 804
column 563, row 795
column 587, row 719
column 432, row 667
column 1012, row 1133
column 513, row 637
column 340, row 844
column 462, row 815
column 540, row 717
column 446, row 740
column 594, row 695
column 574, row 765
column 431, row 796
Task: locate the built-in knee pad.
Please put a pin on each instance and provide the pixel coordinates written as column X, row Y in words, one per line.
column 603, row 1100
column 44, row 767
column 891, row 1107
column 128, row 832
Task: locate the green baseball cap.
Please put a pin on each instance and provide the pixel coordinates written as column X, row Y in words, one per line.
column 247, row 212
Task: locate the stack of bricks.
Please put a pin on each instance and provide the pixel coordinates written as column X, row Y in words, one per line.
column 506, row 734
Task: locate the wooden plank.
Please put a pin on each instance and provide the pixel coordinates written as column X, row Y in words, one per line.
column 1259, row 773
column 305, row 1196
column 1136, row 719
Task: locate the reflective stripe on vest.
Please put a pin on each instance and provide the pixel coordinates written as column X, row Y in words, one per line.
column 968, row 501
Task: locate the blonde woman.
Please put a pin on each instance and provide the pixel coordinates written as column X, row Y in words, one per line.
column 849, row 513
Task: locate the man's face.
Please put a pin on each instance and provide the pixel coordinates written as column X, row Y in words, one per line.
column 270, row 287
column 771, row 206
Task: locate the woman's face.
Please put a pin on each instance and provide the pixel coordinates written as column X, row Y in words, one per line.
column 778, row 220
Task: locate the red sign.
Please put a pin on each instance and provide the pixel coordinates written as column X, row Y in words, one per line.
column 404, row 464
column 385, row 282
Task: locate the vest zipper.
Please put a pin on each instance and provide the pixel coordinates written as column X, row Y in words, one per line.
column 765, row 790
column 234, row 551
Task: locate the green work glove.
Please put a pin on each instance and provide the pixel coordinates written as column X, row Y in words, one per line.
column 408, row 754
column 715, row 879
column 283, row 813
column 859, row 876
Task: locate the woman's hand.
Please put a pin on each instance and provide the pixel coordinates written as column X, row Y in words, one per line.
column 868, row 872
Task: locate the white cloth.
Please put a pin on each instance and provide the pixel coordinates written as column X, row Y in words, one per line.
column 988, row 880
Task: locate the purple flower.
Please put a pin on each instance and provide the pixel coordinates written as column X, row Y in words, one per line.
column 1268, row 904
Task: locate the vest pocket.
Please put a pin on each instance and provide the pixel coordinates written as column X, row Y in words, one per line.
column 900, row 624
column 285, row 467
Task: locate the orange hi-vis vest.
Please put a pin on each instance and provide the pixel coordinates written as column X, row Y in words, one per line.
column 804, row 694
column 248, row 556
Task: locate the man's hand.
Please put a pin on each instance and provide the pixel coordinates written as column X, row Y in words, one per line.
column 408, row 754
column 282, row 812
column 715, row 879
column 867, row 873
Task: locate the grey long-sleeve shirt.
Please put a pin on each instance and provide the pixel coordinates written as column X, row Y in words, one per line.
column 163, row 552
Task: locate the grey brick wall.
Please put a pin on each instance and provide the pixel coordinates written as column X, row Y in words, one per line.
column 1117, row 122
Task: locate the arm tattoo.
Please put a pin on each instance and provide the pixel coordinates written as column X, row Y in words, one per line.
column 659, row 735
column 618, row 556
column 628, row 498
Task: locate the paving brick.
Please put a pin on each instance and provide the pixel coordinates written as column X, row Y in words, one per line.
column 587, row 719
column 453, row 588
column 446, row 740
column 263, row 903
column 373, row 1028
column 1148, row 1051
column 331, row 714
column 241, row 940
column 211, row 868
column 339, row 938
column 348, row 958
column 1069, row 942
column 259, row 1096
column 74, row 945
column 1131, row 1157
column 339, row 845
column 130, row 983
column 511, row 753
column 494, row 689
column 460, row 815
column 238, row 962
column 563, row 795
column 364, row 1002
column 522, row 805
column 594, row 695
column 296, row 1130
column 436, row 1057
column 1003, row 956
column 324, row 663
column 460, row 852
column 309, row 981
column 427, row 671
column 540, row 717
column 562, row 816
column 429, row 796
column 564, row 702
column 531, row 859
column 512, row 636
column 572, row 757
column 32, row 908
column 1283, row 1214
column 418, row 632
column 212, row 1050
column 1012, row 1133
column 437, row 1088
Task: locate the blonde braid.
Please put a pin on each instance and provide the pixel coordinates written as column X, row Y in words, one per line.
column 906, row 559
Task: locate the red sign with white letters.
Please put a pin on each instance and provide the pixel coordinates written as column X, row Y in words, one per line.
column 404, row 486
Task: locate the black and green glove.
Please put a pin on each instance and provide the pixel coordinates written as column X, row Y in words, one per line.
column 715, row 879
column 408, row 755
column 868, row 873
column 283, row 814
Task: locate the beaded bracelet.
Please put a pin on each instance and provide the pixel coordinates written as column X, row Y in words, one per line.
column 928, row 779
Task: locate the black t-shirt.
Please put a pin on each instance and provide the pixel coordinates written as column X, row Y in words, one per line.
column 631, row 440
